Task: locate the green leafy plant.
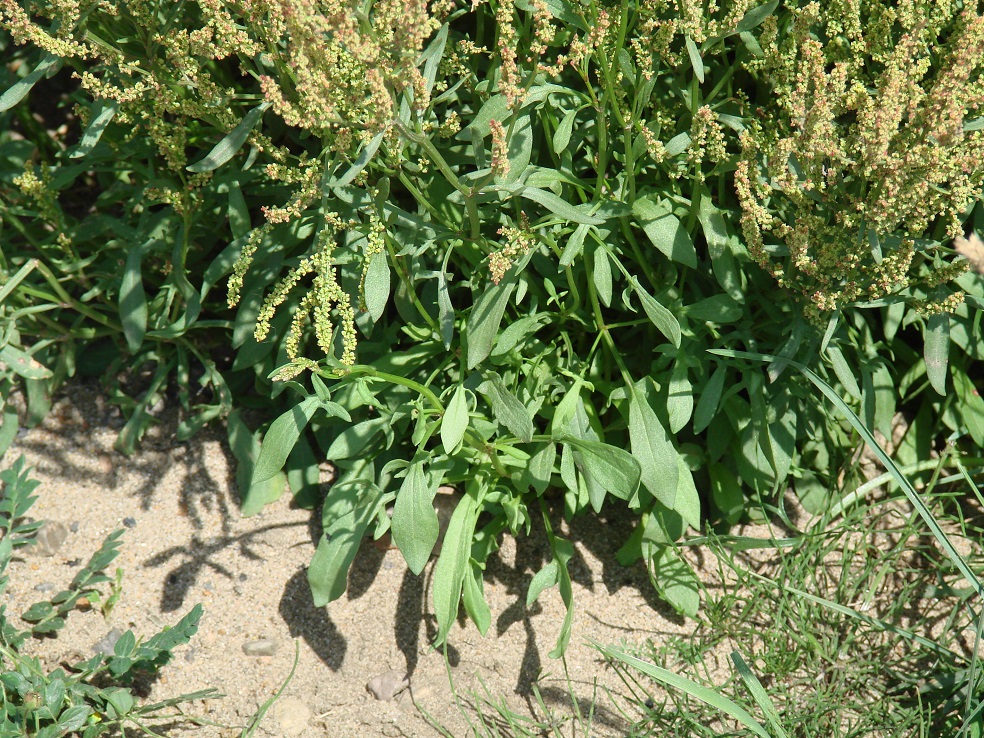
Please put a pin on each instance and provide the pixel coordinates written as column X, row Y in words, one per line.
column 93, row 696
column 488, row 245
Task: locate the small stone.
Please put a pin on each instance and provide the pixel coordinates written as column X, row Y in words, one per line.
column 129, row 522
column 386, row 686
column 292, row 715
column 50, row 538
column 260, row 647
column 44, row 587
column 242, row 577
column 74, row 526
column 106, row 645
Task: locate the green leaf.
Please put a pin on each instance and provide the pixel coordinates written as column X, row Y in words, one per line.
column 715, row 228
column 133, row 301
column 680, row 400
column 936, row 350
column 695, row 61
column 377, row 285
column 687, row 501
column 120, row 700
column 453, row 564
column 756, row 16
column 603, row 276
column 415, row 525
column 653, row 450
column 225, row 149
column 354, row 439
column 843, row 372
column 704, row 694
column 350, row 508
column 719, row 309
column 245, row 448
column 707, row 403
column 575, row 244
column 473, row 595
column 73, row 718
column 726, row 493
column 544, row 579
column 971, row 406
column 674, row 579
column 658, row 315
column 280, row 439
column 483, row 323
column 520, row 148
column 23, row 364
column 613, row 469
column 445, row 310
column 559, row 207
column 540, row 468
column 759, row 695
column 562, row 136
column 102, row 113
column 18, row 91
column 455, row 420
column 665, row 231
column 507, row 408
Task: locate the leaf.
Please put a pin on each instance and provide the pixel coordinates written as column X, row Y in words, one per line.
column 614, row 469
column 544, row 579
column 354, row 438
column 562, row 136
column 415, row 525
column 575, row 244
column 719, row 309
column 603, row 276
column 707, row 403
column 680, row 400
column 665, row 231
column 483, row 323
column 756, row 16
column 507, row 408
column 695, row 61
column 102, row 113
column 18, row 91
column 687, row 501
column 520, row 148
column 455, row 421
column 559, row 207
column 715, row 228
column 377, row 285
column 726, row 493
column 445, row 310
column 653, row 450
column 23, row 364
column 280, row 439
column 473, row 595
column 350, row 508
column 936, row 350
column 245, row 448
column 658, row 315
column 759, row 695
column 541, row 466
column 225, row 149
column 674, row 579
column 704, row 694
column 971, row 406
column 452, row 565
column 844, row 372
column 133, row 301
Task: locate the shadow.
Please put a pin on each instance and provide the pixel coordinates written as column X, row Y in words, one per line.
column 81, row 405
column 311, row 623
column 409, row 615
column 365, row 567
column 198, row 555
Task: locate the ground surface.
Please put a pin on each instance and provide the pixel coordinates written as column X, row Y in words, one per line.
column 186, row 543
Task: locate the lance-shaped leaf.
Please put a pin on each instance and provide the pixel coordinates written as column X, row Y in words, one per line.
column 225, row 149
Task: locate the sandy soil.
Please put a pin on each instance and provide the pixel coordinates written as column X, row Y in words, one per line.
column 186, row 543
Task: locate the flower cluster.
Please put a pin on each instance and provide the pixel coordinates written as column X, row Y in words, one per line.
column 519, row 240
column 865, row 137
